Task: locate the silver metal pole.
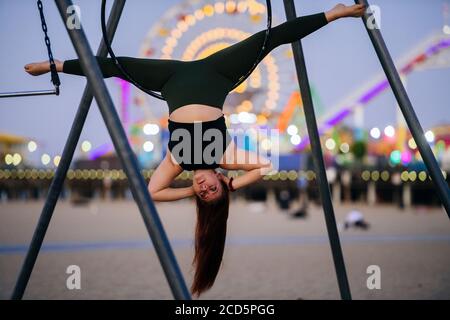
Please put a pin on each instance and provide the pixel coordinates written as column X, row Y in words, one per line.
column 324, row 189
column 127, row 157
column 27, row 93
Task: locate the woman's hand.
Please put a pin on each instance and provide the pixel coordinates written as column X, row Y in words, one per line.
column 223, row 178
column 342, row 11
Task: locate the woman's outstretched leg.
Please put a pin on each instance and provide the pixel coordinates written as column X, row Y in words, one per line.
column 234, row 61
column 152, row 74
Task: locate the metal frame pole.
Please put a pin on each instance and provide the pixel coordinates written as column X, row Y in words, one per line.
column 313, row 132
column 28, row 93
column 406, row 107
column 127, row 157
column 63, row 167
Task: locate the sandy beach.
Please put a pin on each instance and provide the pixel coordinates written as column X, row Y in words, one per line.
column 269, row 255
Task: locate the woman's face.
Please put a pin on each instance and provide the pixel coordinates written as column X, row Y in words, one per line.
column 206, row 184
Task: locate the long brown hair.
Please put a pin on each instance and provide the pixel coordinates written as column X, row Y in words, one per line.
column 210, row 234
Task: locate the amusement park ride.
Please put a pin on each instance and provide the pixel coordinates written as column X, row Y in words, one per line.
column 431, row 53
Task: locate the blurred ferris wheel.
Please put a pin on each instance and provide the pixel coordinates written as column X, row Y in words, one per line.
column 194, row 29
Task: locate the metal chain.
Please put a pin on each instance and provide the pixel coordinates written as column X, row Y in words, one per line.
column 55, row 78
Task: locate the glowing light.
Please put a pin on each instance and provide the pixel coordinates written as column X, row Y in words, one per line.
column 422, row 175
column 32, row 146
column 292, row 175
column 219, row 7
column 56, row 160
column 182, row 26
column 365, row 175
column 151, row 129
column 310, row 175
column 270, row 104
column 296, row 139
column 199, row 14
column 45, row 159
column 330, row 144
column 418, row 156
column 167, row 50
column 406, row 157
column 246, row 117
column 412, row 176
column 261, row 119
column 172, row 42
column 273, row 95
column 86, row 146
column 389, row 131
column 190, row 20
column 246, row 105
column 344, row 147
column 375, row 175
column 8, row 159
column 254, row 8
column 230, row 6
column 234, row 118
column 446, row 29
column 208, row 10
column 396, row 156
column 375, row 133
column 242, row 6
column 148, row 146
column 429, row 135
column 17, row 158
column 412, row 144
column 292, row 129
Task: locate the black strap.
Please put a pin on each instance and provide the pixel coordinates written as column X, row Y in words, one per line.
column 158, row 96
column 54, row 74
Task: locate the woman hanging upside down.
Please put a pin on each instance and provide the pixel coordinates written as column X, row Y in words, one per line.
column 195, row 92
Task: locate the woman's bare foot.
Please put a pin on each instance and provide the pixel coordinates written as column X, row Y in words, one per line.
column 38, row 68
column 342, row 11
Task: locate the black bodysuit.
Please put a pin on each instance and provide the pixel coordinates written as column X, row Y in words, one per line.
column 209, row 80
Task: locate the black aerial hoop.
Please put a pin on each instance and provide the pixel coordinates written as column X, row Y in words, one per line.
column 159, row 96
column 54, row 74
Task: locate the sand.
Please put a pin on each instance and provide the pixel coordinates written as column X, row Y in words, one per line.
column 269, row 255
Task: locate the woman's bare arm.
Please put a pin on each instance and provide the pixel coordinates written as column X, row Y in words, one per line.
column 238, row 159
column 162, row 177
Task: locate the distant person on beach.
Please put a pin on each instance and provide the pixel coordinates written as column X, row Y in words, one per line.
column 355, row 219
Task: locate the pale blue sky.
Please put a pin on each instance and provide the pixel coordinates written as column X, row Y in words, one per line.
column 339, row 59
